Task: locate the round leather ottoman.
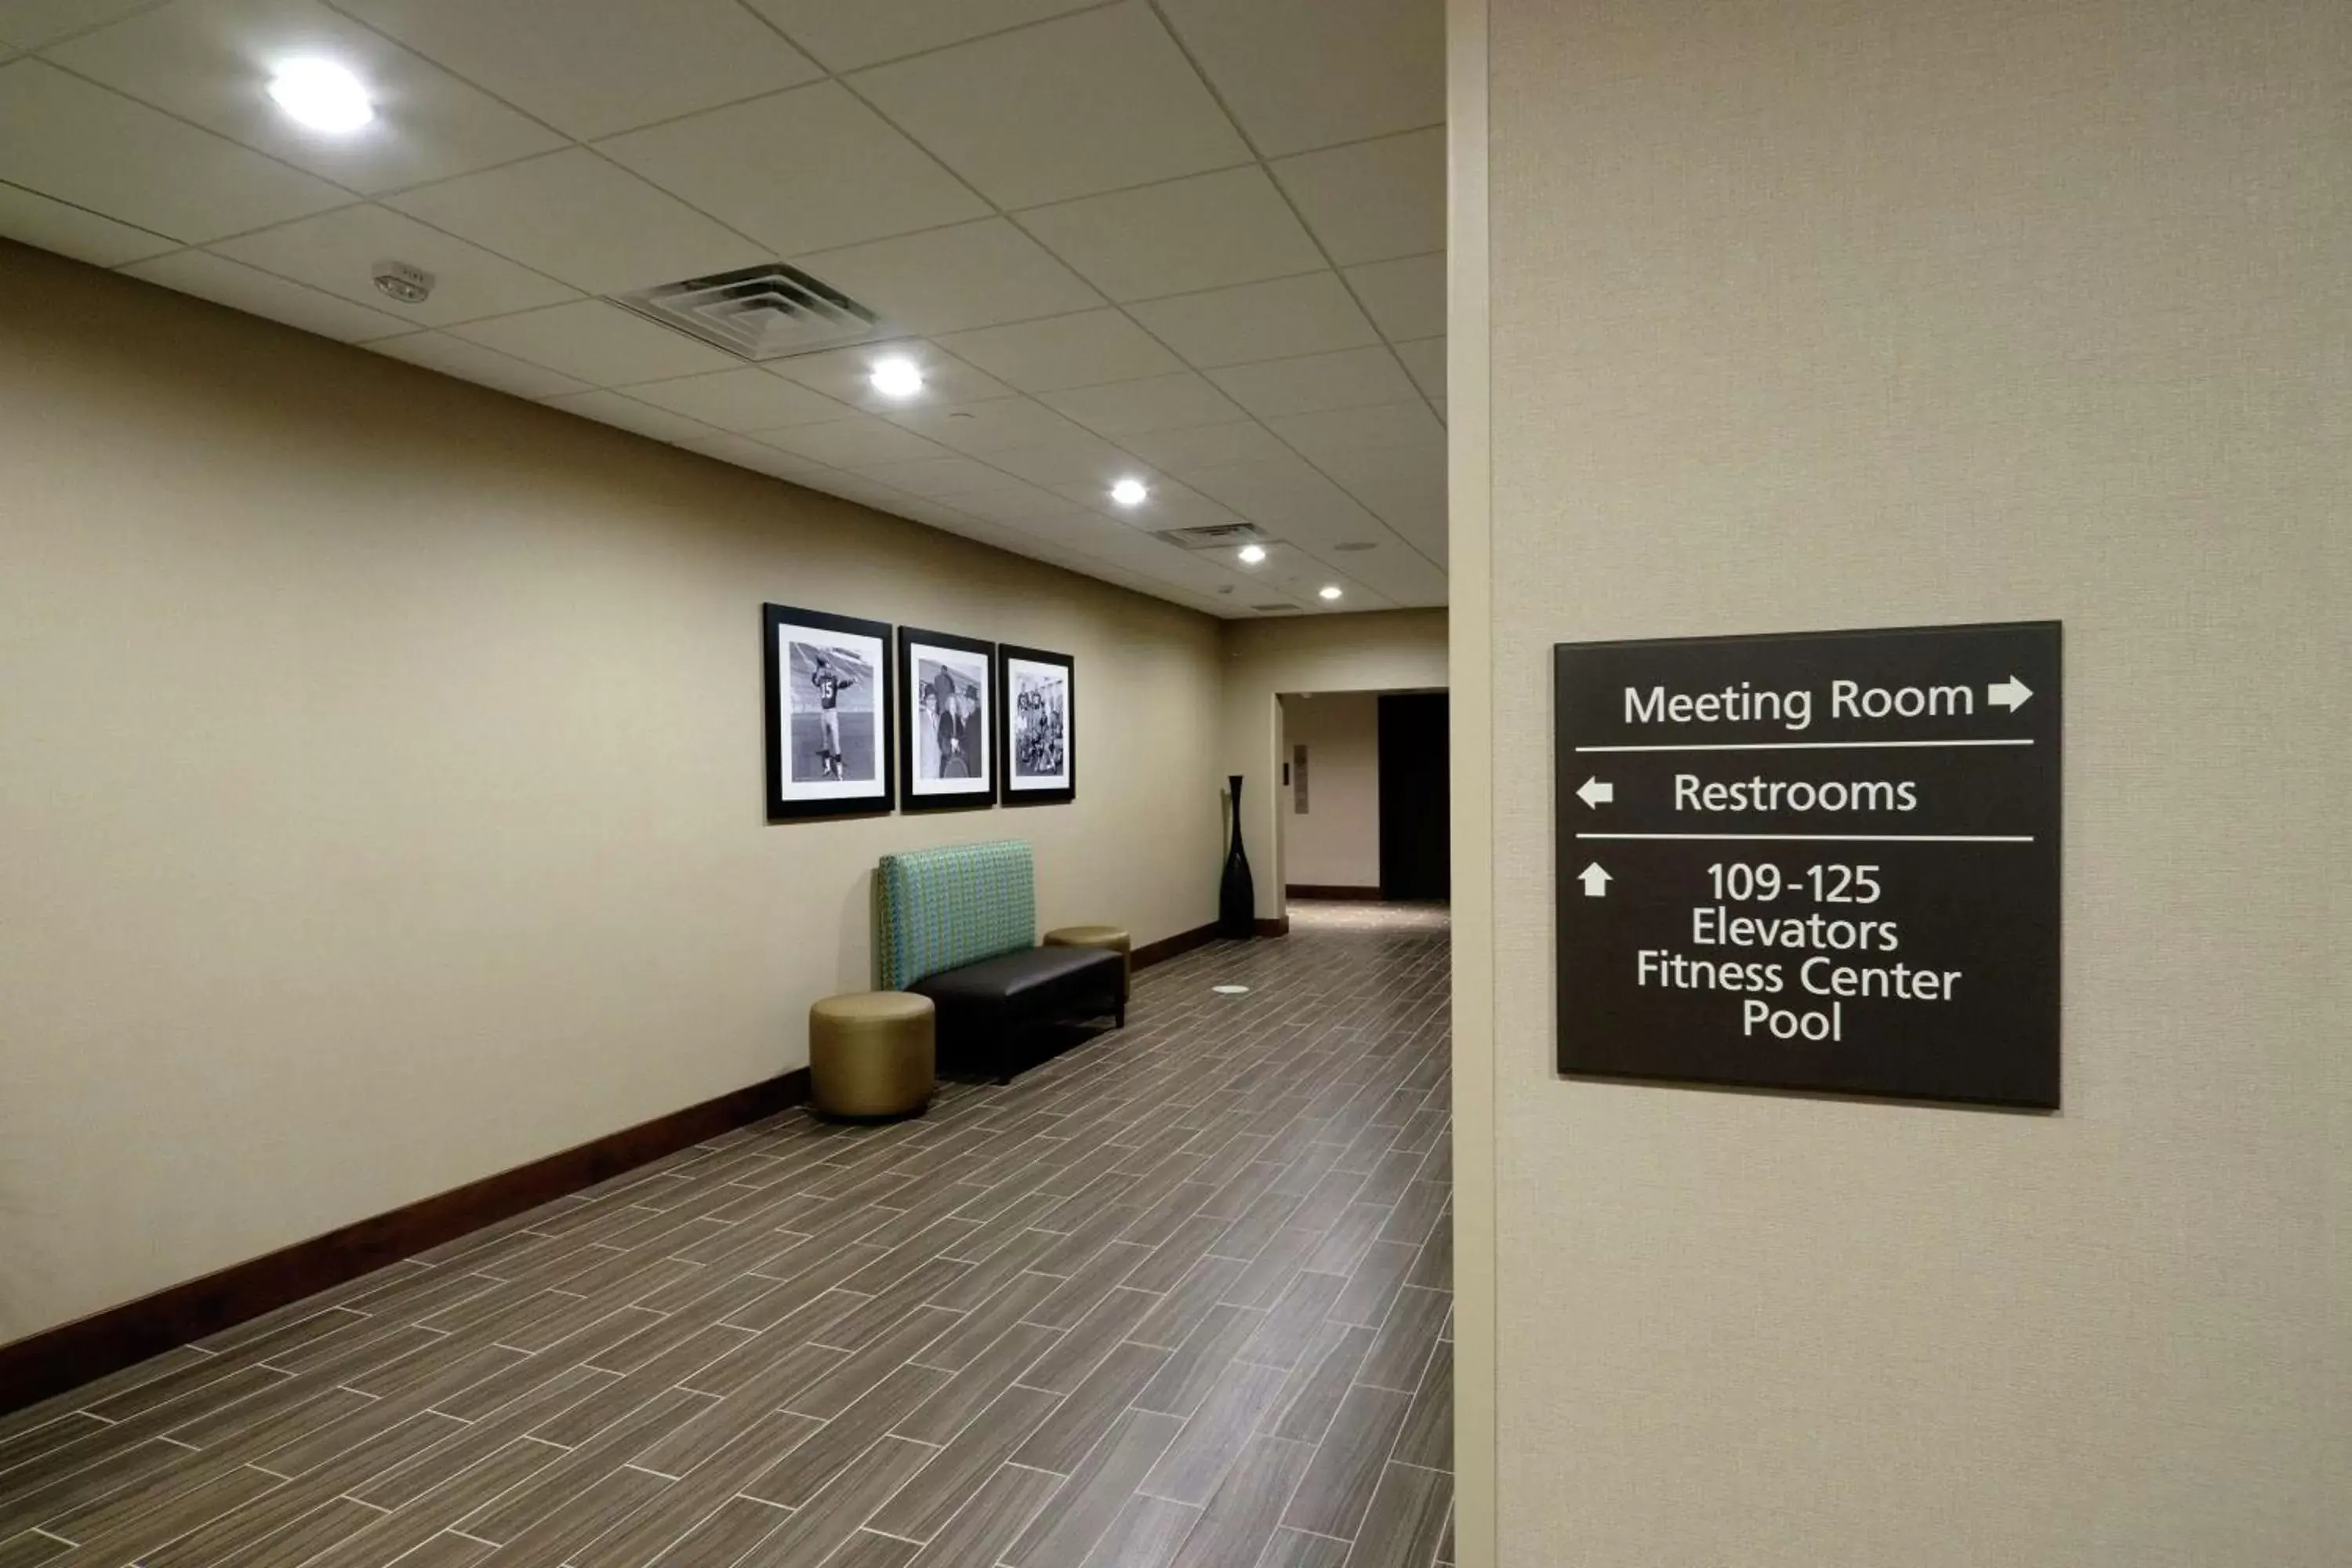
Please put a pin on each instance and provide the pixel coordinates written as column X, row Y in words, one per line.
column 872, row 1055
column 1113, row 938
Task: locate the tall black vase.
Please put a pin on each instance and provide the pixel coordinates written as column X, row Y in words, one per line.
column 1237, row 895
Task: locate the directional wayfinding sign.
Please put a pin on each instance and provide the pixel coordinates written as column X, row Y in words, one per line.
column 1819, row 861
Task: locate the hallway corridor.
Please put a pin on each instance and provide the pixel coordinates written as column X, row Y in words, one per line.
column 1179, row 1299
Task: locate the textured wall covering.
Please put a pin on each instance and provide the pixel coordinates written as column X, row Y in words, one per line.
column 1814, row 314
column 381, row 795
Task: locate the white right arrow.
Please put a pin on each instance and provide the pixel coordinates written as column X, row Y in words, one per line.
column 2009, row 694
column 1594, row 793
column 1596, row 881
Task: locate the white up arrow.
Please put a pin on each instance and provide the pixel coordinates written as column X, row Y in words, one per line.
column 2009, row 694
column 1596, row 881
column 1594, row 792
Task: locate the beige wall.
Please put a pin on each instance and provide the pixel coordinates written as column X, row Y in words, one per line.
column 1394, row 651
column 1832, row 314
column 1336, row 841
column 382, row 796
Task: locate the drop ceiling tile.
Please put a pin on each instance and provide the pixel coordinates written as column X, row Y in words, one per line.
column 29, row 24
column 225, row 282
column 1089, row 103
column 1406, row 296
column 1071, row 530
column 1168, row 506
column 615, row 408
column 210, row 60
column 472, row 361
column 1288, row 498
column 847, row 375
column 32, row 218
column 1081, row 350
column 1303, row 577
column 338, row 252
column 600, row 344
column 737, row 400
column 1156, row 559
column 1290, row 316
column 1086, row 460
column 1349, row 379
column 1397, row 570
column 847, row 34
column 574, row 216
column 937, row 477
column 1299, row 76
column 1013, row 501
column 1210, row 446
column 1426, row 358
column 1181, row 236
column 865, row 491
column 947, row 520
column 990, row 427
column 811, row 169
column 857, row 442
column 758, row 457
column 1404, row 489
column 950, row 279
column 1373, row 200
column 590, row 67
column 77, row 143
column 1388, row 427
column 1123, row 408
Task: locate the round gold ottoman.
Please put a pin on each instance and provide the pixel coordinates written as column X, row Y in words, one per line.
column 1113, row 938
column 871, row 1055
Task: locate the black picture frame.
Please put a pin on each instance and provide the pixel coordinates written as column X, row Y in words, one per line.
column 795, row 800
column 1065, row 788
column 920, row 789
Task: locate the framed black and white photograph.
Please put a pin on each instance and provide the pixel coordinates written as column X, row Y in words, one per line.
column 947, row 731
column 1038, row 693
column 828, row 701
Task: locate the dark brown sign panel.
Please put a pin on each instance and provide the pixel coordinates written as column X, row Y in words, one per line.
column 1817, row 861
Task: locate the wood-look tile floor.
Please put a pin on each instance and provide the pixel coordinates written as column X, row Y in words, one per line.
column 1179, row 1299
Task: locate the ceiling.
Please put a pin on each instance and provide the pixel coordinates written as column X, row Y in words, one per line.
column 1193, row 242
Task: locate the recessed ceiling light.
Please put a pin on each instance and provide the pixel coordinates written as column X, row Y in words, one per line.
column 321, row 95
column 1253, row 553
column 1330, row 591
column 1128, row 492
column 897, row 377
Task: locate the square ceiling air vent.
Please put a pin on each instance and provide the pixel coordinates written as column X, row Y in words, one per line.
column 1276, row 609
column 1216, row 535
column 764, row 312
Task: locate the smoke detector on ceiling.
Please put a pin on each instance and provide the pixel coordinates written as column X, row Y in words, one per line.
column 766, row 312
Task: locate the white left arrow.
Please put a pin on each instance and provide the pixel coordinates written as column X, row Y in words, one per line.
column 1596, row 881
column 2009, row 694
column 1594, row 793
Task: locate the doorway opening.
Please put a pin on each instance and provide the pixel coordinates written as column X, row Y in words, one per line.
column 1363, row 815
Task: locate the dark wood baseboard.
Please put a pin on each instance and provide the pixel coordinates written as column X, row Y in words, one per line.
column 1334, row 892
column 31, row 1369
column 1280, row 926
column 1176, row 946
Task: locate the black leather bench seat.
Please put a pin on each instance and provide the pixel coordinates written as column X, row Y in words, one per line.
column 983, row 1005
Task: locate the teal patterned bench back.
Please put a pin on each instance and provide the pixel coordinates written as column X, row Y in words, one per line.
column 943, row 909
